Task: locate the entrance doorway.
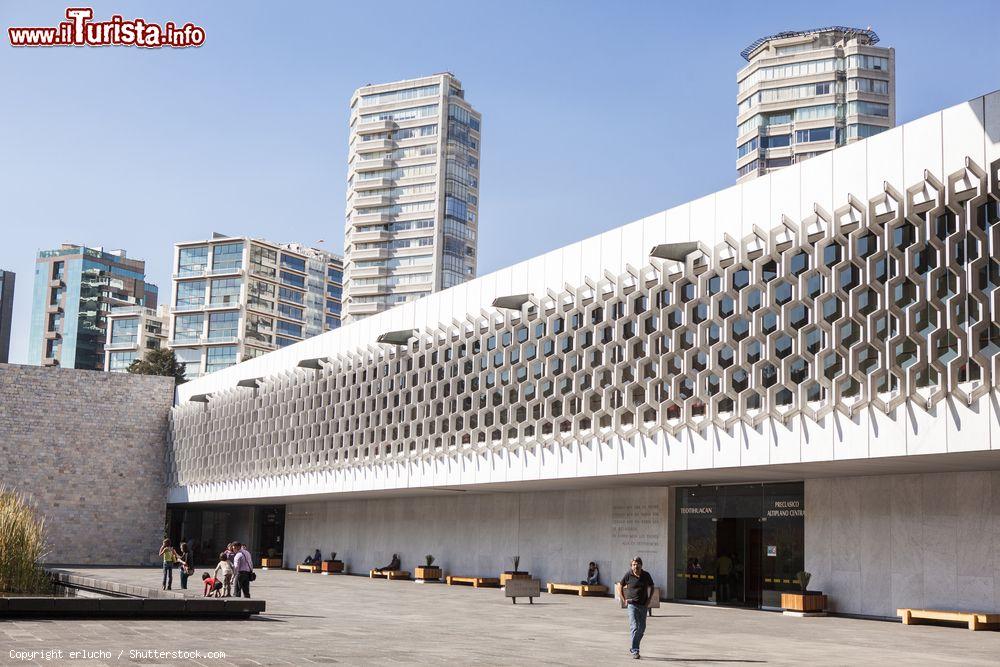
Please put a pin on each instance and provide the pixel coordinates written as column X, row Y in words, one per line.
column 738, row 545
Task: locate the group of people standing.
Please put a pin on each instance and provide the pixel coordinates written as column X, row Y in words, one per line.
column 233, row 571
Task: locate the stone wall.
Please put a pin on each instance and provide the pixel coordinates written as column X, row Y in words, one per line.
column 875, row 544
column 87, row 448
column 556, row 533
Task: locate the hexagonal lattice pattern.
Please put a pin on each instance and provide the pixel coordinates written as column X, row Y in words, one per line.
column 873, row 304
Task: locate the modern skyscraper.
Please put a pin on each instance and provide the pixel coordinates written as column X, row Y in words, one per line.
column 132, row 331
column 6, row 312
column 412, row 192
column 235, row 298
column 807, row 92
column 75, row 287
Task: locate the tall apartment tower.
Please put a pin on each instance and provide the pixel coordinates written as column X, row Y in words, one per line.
column 6, row 312
column 412, row 192
column 75, row 287
column 808, row 92
column 235, row 298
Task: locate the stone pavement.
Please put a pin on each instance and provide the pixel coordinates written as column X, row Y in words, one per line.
column 315, row 619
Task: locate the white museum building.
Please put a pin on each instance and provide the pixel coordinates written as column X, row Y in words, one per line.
column 795, row 373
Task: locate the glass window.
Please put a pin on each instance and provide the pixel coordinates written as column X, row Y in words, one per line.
column 58, row 270
column 401, row 114
column 190, row 293
column 289, row 329
column 862, row 61
column 192, row 261
column 862, row 108
column 814, row 134
column 863, row 131
column 188, row 327
column 292, row 279
column 774, row 163
column 263, row 261
column 220, row 357
column 259, row 328
column 777, row 141
column 227, row 257
column 291, row 295
column 335, row 291
column 223, row 325
column 226, row 291
column 190, row 357
column 284, row 342
column 335, row 275
column 118, row 362
column 400, row 95
column 124, row 331
column 290, row 311
column 746, row 147
column 332, row 322
column 292, row 262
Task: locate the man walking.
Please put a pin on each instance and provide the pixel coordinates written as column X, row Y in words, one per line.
column 636, row 589
column 244, row 568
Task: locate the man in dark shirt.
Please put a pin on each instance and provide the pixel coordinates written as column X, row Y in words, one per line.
column 636, row 589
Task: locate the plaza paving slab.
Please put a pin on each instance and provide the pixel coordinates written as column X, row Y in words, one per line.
column 316, row 619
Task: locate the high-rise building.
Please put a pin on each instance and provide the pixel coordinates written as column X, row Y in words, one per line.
column 807, row 92
column 132, row 331
column 6, row 312
column 235, row 298
column 75, row 287
column 412, row 192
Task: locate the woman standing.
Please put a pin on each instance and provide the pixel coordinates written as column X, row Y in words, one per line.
column 170, row 558
column 187, row 564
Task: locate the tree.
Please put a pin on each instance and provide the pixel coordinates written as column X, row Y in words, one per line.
column 159, row 362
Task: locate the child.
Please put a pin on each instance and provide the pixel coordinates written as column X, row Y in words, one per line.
column 224, row 574
column 212, row 585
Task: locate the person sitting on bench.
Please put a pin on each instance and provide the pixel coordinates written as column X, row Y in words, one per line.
column 393, row 565
column 315, row 559
column 593, row 575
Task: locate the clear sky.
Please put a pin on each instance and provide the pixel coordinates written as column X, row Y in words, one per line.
column 594, row 114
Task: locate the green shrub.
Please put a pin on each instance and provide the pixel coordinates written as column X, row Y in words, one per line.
column 22, row 546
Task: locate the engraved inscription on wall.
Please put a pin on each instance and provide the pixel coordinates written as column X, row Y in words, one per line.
column 636, row 525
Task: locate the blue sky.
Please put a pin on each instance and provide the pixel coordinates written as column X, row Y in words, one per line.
column 594, row 114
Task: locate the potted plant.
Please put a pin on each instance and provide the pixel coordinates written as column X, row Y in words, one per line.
column 332, row 565
column 516, row 573
column 428, row 572
column 803, row 602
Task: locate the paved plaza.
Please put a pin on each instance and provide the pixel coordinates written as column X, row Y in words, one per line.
column 316, row 619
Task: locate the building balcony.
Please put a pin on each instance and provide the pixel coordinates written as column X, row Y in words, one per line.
column 221, row 340
column 355, row 309
column 187, row 308
column 369, row 272
column 56, row 282
column 50, row 361
column 373, row 253
column 376, row 126
column 368, row 237
column 52, row 335
column 187, row 275
column 371, row 219
column 226, row 271
column 54, row 308
column 372, row 184
column 367, row 290
column 372, row 165
column 380, row 200
column 113, row 347
column 374, row 145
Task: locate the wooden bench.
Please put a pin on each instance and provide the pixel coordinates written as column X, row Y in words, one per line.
column 477, row 582
column 389, row 574
column 579, row 589
column 302, row 567
column 332, row 566
column 522, row 588
column 975, row 620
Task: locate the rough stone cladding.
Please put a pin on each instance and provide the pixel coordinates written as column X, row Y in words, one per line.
column 86, row 447
column 876, row 303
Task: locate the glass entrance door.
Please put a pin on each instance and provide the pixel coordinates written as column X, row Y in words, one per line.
column 738, row 545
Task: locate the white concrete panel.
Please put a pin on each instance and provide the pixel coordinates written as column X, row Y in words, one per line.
column 993, row 398
column 756, row 198
column 488, row 291
column 606, row 462
column 755, row 444
column 887, row 432
column 785, row 195
column 634, row 251
column 650, row 453
column 922, row 149
column 728, row 213
column 991, row 106
column 519, row 278
column 850, row 435
column 677, row 224
column 587, row 453
column 926, row 431
column 611, row 251
column 675, row 453
column 817, row 438
column 573, row 270
column 816, row 186
column 548, row 463
column 786, row 440
column 700, row 449
column 536, row 276
column 654, row 231
column 703, row 220
column 968, row 425
column 568, row 460
column 726, row 447
column 885, row 160
column 554, row 270
column 962, row 134
column 628, row 455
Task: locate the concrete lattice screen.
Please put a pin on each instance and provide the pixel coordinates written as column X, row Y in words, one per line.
column 874, row 304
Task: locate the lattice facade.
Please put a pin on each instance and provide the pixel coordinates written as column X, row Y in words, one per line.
column 875, row 303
